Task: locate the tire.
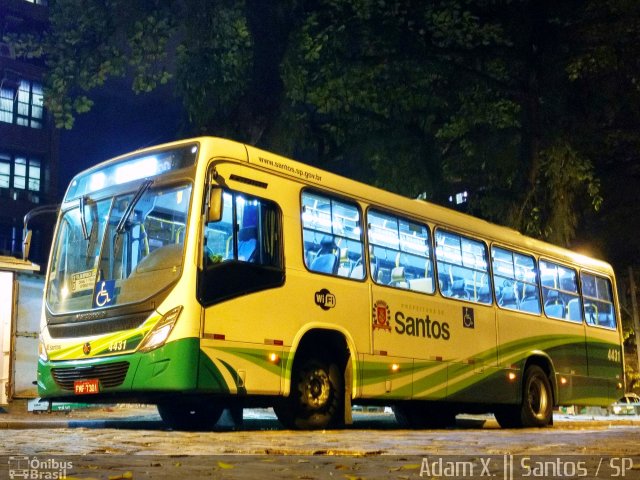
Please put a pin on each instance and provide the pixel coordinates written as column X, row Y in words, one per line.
column 508, row 416
column 536, row 407
column 190, row 414
column 424, row 416
column 316, row 400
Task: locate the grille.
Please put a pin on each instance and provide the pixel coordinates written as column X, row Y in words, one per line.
column 110, row 375
column 75, row 329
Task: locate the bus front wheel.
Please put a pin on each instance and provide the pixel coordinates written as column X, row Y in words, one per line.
column 316, row 398
column 536, row 408
column 189, row 414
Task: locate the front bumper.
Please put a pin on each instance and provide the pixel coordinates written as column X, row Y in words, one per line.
column 171, row 368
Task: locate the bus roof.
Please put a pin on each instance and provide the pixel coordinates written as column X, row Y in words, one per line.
column 418, row 209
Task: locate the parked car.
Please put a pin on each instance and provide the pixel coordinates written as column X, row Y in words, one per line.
column 627, row 405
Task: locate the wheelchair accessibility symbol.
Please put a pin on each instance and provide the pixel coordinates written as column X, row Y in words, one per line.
column 468, row 320
column 104, row 293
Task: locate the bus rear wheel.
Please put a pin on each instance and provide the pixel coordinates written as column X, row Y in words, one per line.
column 536, row 408
column 190, row 414
column 316, row 398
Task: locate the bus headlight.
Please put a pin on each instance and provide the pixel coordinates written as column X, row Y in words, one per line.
column 159, row 334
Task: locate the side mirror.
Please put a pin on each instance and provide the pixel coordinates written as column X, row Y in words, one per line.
column 26, row 244
column 214, row 213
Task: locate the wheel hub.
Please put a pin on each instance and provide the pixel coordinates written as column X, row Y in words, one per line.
column 316, row 389
column 538, row 398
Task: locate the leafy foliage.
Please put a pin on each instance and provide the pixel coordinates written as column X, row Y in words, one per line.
column 524, row 103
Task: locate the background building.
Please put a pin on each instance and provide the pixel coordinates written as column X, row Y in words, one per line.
column 28, row 138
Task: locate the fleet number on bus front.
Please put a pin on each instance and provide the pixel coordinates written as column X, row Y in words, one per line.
column 118, row 346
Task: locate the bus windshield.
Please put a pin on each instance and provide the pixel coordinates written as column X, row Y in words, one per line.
column 119, row 249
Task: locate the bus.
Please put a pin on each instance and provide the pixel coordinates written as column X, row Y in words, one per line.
column 205, row 274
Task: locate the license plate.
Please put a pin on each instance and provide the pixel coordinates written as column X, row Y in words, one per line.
column 86, row 387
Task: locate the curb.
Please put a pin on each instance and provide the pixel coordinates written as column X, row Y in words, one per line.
column 364, row 421
column 133, row 424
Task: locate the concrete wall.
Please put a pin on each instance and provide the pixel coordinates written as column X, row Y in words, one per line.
column 6, row 327
column 30, row 288
column 20, row 308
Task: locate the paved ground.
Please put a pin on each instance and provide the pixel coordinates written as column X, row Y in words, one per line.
column 130, row 442
column 16, row 416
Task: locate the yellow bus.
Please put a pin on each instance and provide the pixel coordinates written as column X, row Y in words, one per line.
column 206, row 274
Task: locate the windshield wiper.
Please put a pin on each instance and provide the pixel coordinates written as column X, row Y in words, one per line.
column 136, row 198
column 83, row 221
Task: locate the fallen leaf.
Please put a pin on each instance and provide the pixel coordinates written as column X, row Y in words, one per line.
column 123, row 476
column 225, row 466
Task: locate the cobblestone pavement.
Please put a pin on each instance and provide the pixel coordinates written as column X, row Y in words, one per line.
column 114, row 442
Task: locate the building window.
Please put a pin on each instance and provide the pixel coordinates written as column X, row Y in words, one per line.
column 23, row 105
column 6, row 105
column 5, row 171
column 20, row 172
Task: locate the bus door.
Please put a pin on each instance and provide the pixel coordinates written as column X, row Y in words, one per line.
column 467, row 307
column 239, row 286
column 564, row 335
column 604, row 353
column 409, row 333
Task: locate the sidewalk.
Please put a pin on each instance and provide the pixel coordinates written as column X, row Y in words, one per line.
column 17, row 416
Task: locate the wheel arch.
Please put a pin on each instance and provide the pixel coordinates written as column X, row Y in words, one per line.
column 314, row 340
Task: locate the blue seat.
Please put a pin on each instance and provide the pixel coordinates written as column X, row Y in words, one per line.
column 574, row 309
column 247, row 243
column 530, row 302
column 248, row 234
column 555, row 310
column 508, row 298
column 458, row 289
column 326, row 261
column 484, row 294
column 553, row 305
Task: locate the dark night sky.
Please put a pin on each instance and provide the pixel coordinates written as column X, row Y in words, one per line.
column 119, row 122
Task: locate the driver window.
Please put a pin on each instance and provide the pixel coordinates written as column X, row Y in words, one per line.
column 249, row 231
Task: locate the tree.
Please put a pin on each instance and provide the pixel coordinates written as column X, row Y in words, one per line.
column 504, row 98
column 468, row 95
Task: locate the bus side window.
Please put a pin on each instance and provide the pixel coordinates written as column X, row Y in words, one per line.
column 402, row 251
column 597, row 300
column 560, row 291
column 463, row 269
column 516, row 280
column 332, row 236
